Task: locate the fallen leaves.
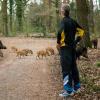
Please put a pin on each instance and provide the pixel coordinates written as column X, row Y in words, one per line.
column 89, row 75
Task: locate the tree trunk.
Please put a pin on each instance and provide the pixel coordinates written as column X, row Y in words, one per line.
column 11, row 12
column 19, row 14
column 57, row 11
column 82, row 15
column 50, row 17
column 91, row 18
column 4, row 18
column 99, row 4
column 73, row 9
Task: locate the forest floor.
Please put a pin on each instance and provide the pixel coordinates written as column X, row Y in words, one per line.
column 28, row 78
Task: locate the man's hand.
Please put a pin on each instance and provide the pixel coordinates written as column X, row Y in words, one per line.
column 58, row 47
column 78, row 39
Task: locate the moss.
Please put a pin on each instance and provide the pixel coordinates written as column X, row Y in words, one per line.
column 98, row 64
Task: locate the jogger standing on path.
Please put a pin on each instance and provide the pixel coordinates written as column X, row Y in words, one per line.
column 66, row 41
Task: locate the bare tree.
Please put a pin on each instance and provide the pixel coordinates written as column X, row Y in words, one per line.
column 4, row 18
column 11, row 2
column 91, row 17
column 82, row 14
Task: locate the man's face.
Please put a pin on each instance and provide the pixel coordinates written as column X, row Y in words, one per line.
column 62, row 13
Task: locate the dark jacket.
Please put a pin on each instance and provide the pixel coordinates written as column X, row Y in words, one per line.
column 69, row 33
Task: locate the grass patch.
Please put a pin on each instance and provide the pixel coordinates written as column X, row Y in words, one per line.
column 98, row 64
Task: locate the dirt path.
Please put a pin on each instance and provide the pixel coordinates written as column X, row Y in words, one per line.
column 25, row 78
column 28, row 78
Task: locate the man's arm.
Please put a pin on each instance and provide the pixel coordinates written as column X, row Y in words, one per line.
column 59, row 32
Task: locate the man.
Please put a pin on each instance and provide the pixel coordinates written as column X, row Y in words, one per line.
column 66, row 41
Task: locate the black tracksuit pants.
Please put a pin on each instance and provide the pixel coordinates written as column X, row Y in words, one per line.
column 69, row 67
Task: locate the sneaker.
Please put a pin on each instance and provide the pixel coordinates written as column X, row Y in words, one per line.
column 64, row 93
column 77, row 88
column 77, row 91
